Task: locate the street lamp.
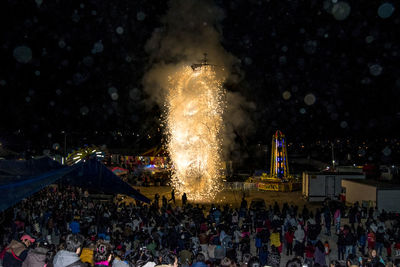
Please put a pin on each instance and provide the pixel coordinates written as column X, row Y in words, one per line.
column 65, row 146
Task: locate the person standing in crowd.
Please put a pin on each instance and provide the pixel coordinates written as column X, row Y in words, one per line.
column 309, row 254
column 327, row 220
column 299, row 235
column 327, row 249
column 172, row 195
column 352, row 261
column 375, row 259
column 371, row 239
column 70, row 255
column 184, row 199
column 289, row 237
column 274, row 258
column 361, row 238
column 168, row 260
column 341, row 244
column 263, row 255
column 337, row 217
column 349, row 240
column 319, row 254
column 379, row 240
column 102, row 254
column 74, row 226
column 139, row 233
column 16, row 252
column 200, row 261
column 164, row 201
column 37, row 257
column 156, row 199
column 275, row 239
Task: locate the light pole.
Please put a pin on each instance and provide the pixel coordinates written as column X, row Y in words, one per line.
column 333, row 156
column 65, row 145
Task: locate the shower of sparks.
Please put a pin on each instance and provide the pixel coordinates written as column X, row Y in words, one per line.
column 194, row 109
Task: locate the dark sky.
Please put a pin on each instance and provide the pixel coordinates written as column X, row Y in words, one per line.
column 314, row 69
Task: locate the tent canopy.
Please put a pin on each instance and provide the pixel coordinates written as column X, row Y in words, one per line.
column 21, row 179
column 94, row 175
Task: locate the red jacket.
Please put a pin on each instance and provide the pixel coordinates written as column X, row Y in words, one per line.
column 310, row 251
column 289, row 236
column 371, row 237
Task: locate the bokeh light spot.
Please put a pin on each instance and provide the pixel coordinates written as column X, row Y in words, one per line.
column 309, row 99
column 385, row 10
column 341, row 10
column 22, row 54
column 375, row 69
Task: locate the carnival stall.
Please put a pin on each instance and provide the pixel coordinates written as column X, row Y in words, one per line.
column 149, row 168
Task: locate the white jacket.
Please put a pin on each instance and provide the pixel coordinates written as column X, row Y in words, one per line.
column 299, row 234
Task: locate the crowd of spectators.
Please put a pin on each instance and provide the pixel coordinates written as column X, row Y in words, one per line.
column 66, row 227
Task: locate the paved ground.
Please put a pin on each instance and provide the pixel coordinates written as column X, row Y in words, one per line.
column 233, row 197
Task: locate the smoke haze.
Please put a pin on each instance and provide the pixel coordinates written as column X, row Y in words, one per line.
column 190, row 29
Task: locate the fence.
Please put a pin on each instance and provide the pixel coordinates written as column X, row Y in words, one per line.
column 240, row 186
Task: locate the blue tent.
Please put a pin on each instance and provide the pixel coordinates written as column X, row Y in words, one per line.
column 94, row 175
column 28, row 167
column 21, row 179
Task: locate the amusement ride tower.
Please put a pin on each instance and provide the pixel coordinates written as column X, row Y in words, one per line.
column 279, row 160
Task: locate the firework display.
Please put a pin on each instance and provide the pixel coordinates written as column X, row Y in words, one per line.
column 194, row 109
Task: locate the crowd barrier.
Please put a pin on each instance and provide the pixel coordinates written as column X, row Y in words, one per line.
column 265, row 186
column 240, row 186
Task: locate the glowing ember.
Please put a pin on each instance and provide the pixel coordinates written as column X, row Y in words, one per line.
column 194, row 108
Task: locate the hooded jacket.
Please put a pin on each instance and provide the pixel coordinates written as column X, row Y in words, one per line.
column 299, row 234
column 87, row 256
column 65, row 258
column 275, row 239
column 35, row 258
column 119, row 263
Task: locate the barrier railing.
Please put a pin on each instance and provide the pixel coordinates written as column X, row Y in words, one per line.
column 240, row 186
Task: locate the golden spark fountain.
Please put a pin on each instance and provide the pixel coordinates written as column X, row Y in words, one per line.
column 194, row 108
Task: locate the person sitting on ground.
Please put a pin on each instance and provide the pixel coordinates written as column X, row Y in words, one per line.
column 70, row 255
column 16, row 252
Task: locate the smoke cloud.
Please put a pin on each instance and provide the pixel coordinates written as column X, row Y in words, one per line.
column 190, row 29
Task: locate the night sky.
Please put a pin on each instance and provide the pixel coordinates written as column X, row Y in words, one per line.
column 317, row 70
